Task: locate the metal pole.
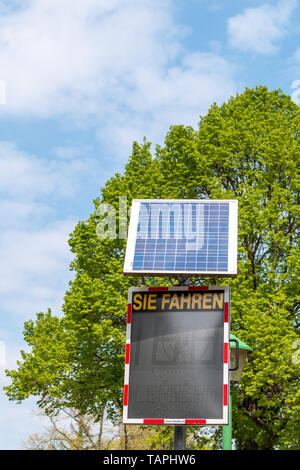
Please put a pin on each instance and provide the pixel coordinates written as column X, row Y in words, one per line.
column 227, row 430
column 179, row 438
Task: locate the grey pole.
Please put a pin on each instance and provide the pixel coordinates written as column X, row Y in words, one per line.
column 179, row 438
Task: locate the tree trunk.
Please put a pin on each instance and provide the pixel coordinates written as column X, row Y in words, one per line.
column 125, row 438
column 99, row 440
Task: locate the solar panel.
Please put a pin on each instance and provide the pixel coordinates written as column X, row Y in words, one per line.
column 182, row 236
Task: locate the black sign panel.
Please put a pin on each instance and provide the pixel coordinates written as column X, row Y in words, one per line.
column 177, row 356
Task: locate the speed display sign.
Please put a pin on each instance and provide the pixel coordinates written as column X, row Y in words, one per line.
column 177, row 354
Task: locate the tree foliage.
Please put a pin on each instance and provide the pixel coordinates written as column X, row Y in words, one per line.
column 247, row 149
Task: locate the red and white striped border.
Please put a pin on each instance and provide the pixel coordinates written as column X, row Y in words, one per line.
column 226, row 357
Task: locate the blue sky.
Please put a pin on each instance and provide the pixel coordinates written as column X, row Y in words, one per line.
column 80, row 80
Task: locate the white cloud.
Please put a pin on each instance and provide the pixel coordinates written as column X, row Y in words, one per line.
column 17, row 421
column 175, row 95
column 14, row 212
column 296, row 93
column 60, row 55
column 259, row 29
column 35, row 266
column 26, row 176
column 34, row 234
column 119, row 63
column 22, row 174
column 294, row 71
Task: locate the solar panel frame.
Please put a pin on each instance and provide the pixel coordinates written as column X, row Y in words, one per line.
column 231, row 249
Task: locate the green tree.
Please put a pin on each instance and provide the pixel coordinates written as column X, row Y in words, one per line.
column 247, row 149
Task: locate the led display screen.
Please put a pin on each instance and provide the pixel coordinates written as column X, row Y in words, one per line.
column 177, row 356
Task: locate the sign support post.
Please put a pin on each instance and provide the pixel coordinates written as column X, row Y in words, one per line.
column 227, row 430
column 179, row 438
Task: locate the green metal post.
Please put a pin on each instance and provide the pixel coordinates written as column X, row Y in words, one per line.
column 227, row 430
